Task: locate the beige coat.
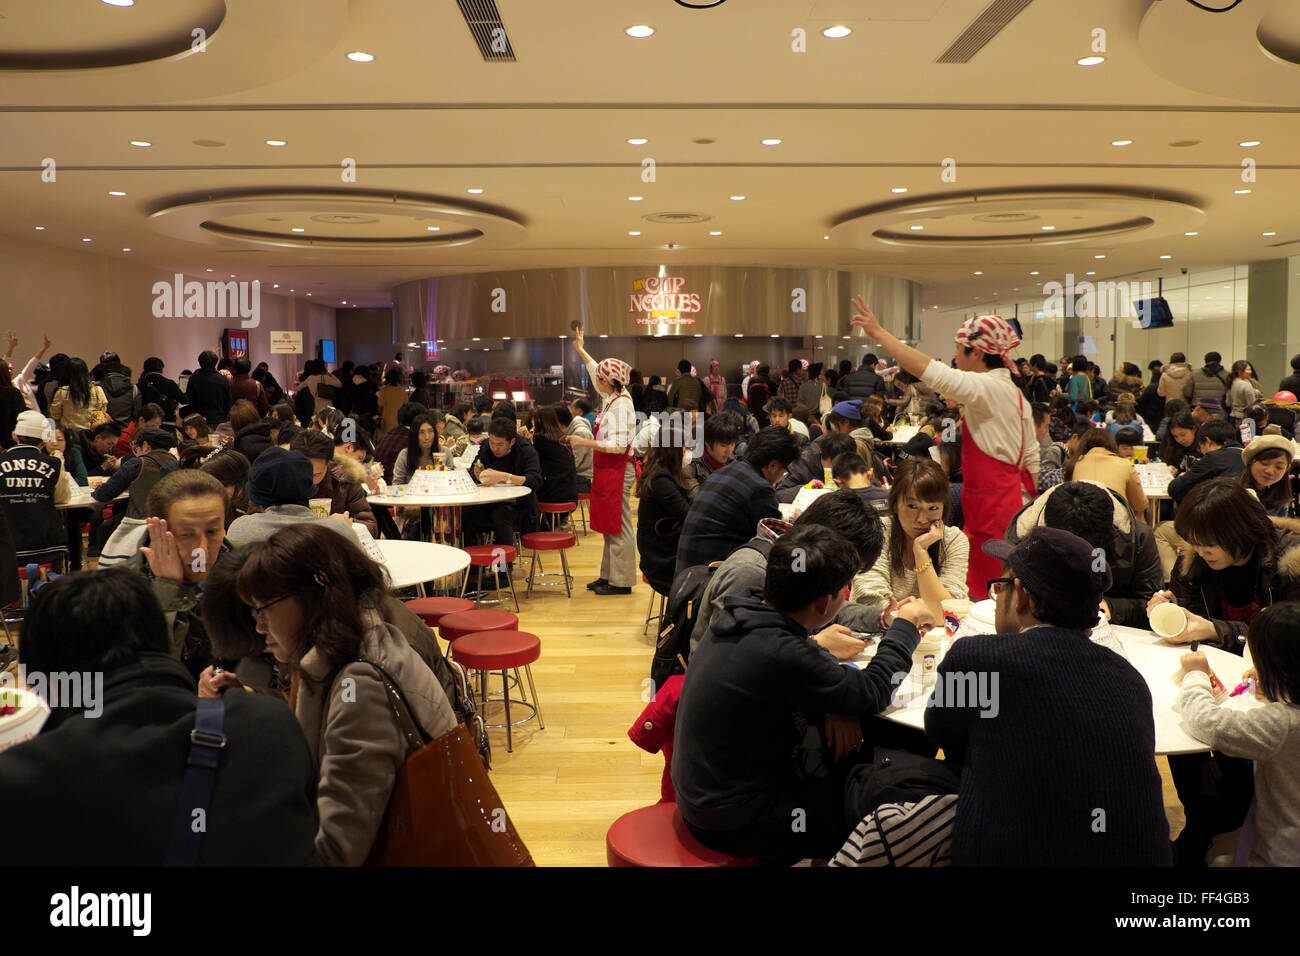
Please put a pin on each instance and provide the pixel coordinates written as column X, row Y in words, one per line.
column 1115, row 473
column 70, row 415
column 353, row 734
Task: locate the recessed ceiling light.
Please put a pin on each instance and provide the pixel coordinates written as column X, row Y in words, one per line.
column 276, row 286
column 119, row 3
column 635, row 198
column 1033, row 273
column 476, row 340
column 739, row 335
column 836, row 32
column 297, row 229
column 433, row 228
column 1240, row 192
column 474, row 191
column 604, row 335
column 916, row 228
column 345, row 301
column 1249, row 142
column 1090, row 60
column 40, row 228
column 209, row 270
column 898, row 189
column 309, row 293
column 770, row 142
column 1166, row 257
column 1191, row 234
column 1121, row 142
column 825, row 237
column 140, row 142
column 1268, row 234
column 775, row 336
column 1048, row 228
column 126, row 249
column 116, row 192
column 737, row 198
column 640, row 31
column 85, row 240
column 715, row 233
column 357, row 56
column 978, row 273
column 634, row 233
column 276, row 142
column 637, row 141
column 1099, row 256
column 1091, row 273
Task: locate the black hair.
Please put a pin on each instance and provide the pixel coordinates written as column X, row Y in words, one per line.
column 1220, row 512
column 990, row 360
column 208, row 359
column 108, row 428
column 684, row 366
column 1128, row 436
column 771, row 444
column 1079, row 365
column 315, row 444
column 807, row 563
column 504, row 409
column 242, row 365
column 779, row 404
column 76, row 378
column 408, row 413
column 1177, row 357
column 153, row 364
column 1084, row 510
column 1041, row 412
column 1219, row 431
column 794, row 366
column 1213, row 358
column 92, row 621
column 1275, row 652
column 393, row 376
column 1295, row 363
column 474, row 427
column 564, row 414
column 869, row 361
column 1038, row 361
column 849, row 464
column 721, row 429
column 834, row 444
column 582, row 405
column 503, row 428
column 851, row 515
column 283, row 412
column 229, row 626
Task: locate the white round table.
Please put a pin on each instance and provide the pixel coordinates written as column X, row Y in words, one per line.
column 414, row 562
column 80, row 498
column 480, row 496
column 1156, row 660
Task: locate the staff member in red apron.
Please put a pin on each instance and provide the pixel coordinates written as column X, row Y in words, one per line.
column 999, row 448
column 612, row 472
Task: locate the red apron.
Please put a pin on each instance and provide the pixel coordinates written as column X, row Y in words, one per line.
column 990, row 498
column 607, row 472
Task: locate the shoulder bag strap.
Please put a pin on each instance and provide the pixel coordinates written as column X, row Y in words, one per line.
column 415, row 737
column 206, row 743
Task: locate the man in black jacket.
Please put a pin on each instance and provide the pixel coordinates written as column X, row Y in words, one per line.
column 208, row 391
column 505, row 459
column 31, row 485
column 816, row 457
column 864, row 381
column 158, row 388
column 1218, row 444
column 122, row 714
column 757, row 684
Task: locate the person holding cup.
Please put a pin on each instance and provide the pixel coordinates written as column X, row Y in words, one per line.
column 280, row 485
column 923, row 556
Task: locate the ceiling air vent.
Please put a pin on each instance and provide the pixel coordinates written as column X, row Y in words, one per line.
column 484, row 22
column 676, row 218
column 982, row 30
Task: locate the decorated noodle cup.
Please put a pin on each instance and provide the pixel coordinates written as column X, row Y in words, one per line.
column 321, row 506
column 954, row 612
column 1167, row 620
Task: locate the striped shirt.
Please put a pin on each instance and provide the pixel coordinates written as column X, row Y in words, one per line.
column 903, row 834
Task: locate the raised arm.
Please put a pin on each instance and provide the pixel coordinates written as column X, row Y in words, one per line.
column 912, row 361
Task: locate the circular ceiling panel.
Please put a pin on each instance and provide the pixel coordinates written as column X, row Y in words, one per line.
column 75, row 35
column 1251, row 52
column 326, row 220
column 1016, row 218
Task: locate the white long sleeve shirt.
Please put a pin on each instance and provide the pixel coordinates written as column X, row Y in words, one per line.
column 998, row 417
column 23, row 382
column 616, row 419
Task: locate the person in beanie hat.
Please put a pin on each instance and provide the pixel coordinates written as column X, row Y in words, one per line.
column 613, row 472
column 999, row 449
column 280, row 483
column 31, row 484
column 1039, row 701
column 1268, row 473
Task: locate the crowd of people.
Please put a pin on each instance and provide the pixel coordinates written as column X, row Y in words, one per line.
column 215, row 546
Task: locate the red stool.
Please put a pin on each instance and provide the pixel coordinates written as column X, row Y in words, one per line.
column 556, row 508
column 456, row 625
column 502, row 650
column 657, row 837
column 495, row 557
column 583, row 498
column 432, row 609
column 550, row 541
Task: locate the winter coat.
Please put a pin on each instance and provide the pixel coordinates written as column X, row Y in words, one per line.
column 1222, row 462
column 1133, row 560
column 1121, row 383
column 559, row 471
column 582, row 457
column 70, row 415
column 658, row 528
column 209, row 394
column 345, row 485
column 862, row 383
column 653, row 730
column 1210, row 381
column 157, row 388
column 1175, row 381
column 253, row 439
column 354, row 735
column 123, row 397
column 131, row 756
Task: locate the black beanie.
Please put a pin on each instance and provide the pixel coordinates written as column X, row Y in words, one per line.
column 280, row 477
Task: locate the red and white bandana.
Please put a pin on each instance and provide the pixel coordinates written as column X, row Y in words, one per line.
column 615, row 370
column 990, row 334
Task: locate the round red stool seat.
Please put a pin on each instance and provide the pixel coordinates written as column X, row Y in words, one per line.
column 557, row 507
column 482, row 555
column 657, row 837
column 584, row 496
column 452, row 627
column 550, row 540
column 497, row 650
column 433, row 609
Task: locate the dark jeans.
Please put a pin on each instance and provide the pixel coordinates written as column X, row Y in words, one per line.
column 1215, row 791
column 584, row 485
column 499, row 519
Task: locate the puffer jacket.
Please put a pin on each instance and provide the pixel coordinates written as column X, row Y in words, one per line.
column 1196, row 588
column 1133, row 559
column 1209, row 382
column 345, row 485
column 355, row 738
column 1175, row 381
column 1121, row 383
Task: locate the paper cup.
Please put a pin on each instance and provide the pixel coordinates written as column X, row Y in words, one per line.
column 1167, row 620
column 926, row 657
column 321, row 506
column 94, row 481
column 954, row 612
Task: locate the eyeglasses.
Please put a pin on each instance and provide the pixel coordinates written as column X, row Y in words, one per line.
column 997, row 585
column 259, row 611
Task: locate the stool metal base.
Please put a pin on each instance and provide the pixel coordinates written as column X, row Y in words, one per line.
column 534, row 708
column 534, row 575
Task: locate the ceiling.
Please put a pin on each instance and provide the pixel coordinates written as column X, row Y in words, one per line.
column 379, row 157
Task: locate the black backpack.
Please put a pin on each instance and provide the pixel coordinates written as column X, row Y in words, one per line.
column 122, row 397
column 304, row 405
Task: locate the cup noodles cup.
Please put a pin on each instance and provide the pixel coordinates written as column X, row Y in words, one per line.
column 321, row 506
column 926, row 657
column 1167, row 620
column 954, row 612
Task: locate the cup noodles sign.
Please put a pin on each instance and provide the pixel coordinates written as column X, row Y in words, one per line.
column 662, row 301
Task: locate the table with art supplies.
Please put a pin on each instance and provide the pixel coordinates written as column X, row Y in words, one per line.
column 455, row 489
column 1155, row 477
column 806, row 496
column 902, row 434
column 80, row 497
column 1157, row 660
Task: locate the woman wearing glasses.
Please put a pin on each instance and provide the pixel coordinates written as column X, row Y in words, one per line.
column 324, row 610
column 923, row 556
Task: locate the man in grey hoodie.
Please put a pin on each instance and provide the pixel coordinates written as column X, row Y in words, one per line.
column 582, row 459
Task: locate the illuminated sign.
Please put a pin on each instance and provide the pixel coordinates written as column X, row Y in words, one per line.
column 663, row 301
